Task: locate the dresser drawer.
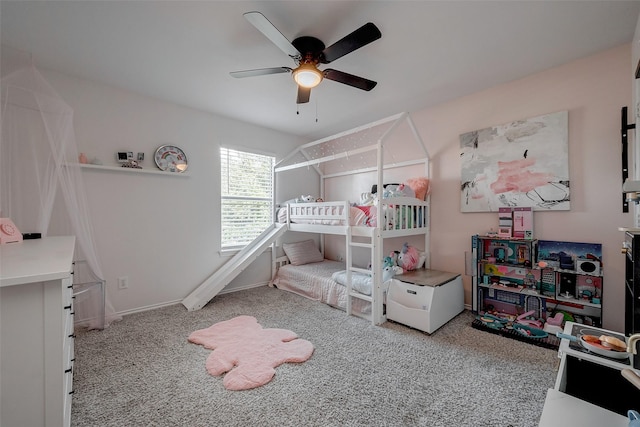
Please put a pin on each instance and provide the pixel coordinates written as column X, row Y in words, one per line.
column 68, row 397
column 68, row 349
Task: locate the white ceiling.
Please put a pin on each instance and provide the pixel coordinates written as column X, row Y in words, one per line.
column 430, row 51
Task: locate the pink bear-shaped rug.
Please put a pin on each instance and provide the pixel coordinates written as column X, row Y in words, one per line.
column 248, row 352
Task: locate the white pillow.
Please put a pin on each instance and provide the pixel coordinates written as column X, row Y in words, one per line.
column 304, row 252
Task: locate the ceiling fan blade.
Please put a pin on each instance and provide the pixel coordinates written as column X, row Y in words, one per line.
column 349, row 79
column 259, row 72
column 360, row 37
column 263, row 25
column 303, row 95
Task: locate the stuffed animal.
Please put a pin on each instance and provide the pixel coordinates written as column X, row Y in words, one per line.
column 400, row 190
column 367, row 199
column 387, row 273
column 410, row 258
column 389, row 268
column 392, row 261
column 300, row 199
column 388, row 262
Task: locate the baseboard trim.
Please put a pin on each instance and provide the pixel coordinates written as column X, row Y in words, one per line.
column 169, row 303
column 224, row 291
column 148, row 307
column 242, row 288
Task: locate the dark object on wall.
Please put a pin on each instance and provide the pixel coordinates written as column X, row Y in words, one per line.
column 625, row 126
column 31, row 236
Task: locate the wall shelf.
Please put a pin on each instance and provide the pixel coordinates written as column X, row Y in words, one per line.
column 132, row 170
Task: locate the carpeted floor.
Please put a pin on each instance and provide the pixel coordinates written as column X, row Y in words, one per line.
column 141, row 371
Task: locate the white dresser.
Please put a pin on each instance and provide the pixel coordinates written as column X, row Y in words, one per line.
column 36, row 332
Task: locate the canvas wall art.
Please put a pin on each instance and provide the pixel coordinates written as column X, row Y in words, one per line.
column 523, row 163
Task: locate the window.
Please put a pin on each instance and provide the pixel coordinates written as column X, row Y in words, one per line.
column 247, row 196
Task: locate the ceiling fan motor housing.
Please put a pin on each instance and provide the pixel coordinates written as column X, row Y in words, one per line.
column 310, row 47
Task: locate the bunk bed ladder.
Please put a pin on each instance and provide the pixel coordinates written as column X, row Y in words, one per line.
column 350, row 269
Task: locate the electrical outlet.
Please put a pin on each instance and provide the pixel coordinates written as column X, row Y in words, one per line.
column 123, row 282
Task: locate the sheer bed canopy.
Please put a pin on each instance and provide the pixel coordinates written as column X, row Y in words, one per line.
column 41, row 187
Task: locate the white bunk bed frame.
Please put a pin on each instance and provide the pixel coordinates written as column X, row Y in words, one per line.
column 398, row 224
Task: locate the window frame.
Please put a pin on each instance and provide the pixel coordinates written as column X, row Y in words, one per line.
column 229, row 249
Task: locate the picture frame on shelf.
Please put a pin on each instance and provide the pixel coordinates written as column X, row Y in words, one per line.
column 124, row 156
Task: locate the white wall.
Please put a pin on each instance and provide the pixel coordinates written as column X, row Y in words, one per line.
column 593, row 90
column 162, row 232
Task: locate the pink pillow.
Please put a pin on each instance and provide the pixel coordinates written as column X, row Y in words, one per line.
column 420, row 186
column 300, row 253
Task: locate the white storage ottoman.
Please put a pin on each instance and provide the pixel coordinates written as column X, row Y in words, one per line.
column 425, row 299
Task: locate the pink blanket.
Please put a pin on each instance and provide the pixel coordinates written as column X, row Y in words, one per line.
column 248, row 352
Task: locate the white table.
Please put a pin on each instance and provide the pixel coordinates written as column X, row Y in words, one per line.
column 562, row 410
column 36, row 332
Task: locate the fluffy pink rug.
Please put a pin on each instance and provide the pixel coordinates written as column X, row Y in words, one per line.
column 248, row 352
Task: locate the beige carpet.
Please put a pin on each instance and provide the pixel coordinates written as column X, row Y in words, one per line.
column 141, row 371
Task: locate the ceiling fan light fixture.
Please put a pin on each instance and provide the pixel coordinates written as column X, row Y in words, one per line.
column 307, row 75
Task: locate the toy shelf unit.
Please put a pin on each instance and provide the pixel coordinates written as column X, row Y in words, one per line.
column 548, row 281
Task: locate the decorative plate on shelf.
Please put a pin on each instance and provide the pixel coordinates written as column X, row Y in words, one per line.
column 171, row 158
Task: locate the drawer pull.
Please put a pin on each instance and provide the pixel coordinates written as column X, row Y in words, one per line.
column 73, row 360
column 67, row 307
column 72, row 391
column 72, row 336
column 66, row 371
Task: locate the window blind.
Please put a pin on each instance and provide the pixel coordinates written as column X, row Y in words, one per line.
column 246, row 196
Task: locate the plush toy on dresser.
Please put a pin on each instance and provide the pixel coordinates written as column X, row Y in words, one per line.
column 409, row 258
column 391, row 263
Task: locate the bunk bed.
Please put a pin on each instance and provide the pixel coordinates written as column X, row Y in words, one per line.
column 392, row 155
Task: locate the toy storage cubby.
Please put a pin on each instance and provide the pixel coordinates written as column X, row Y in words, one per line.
column 518, row 276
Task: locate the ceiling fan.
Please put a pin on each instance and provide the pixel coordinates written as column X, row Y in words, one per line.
column 308, row 52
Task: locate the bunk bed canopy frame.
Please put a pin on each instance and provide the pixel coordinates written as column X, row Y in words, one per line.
column 362, row 149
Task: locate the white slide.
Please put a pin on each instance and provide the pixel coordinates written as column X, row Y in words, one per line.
column 230, row 270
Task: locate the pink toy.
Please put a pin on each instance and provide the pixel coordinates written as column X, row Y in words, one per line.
column 408, row 258
column 247, row 352
column 556, row 320
column 522, row 319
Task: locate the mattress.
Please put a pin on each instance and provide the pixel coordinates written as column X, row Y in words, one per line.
column 314, row 281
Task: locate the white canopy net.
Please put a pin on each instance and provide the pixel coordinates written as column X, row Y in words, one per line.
column 41, row 187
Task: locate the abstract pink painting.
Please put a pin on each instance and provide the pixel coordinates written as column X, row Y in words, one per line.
column 523, row 163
